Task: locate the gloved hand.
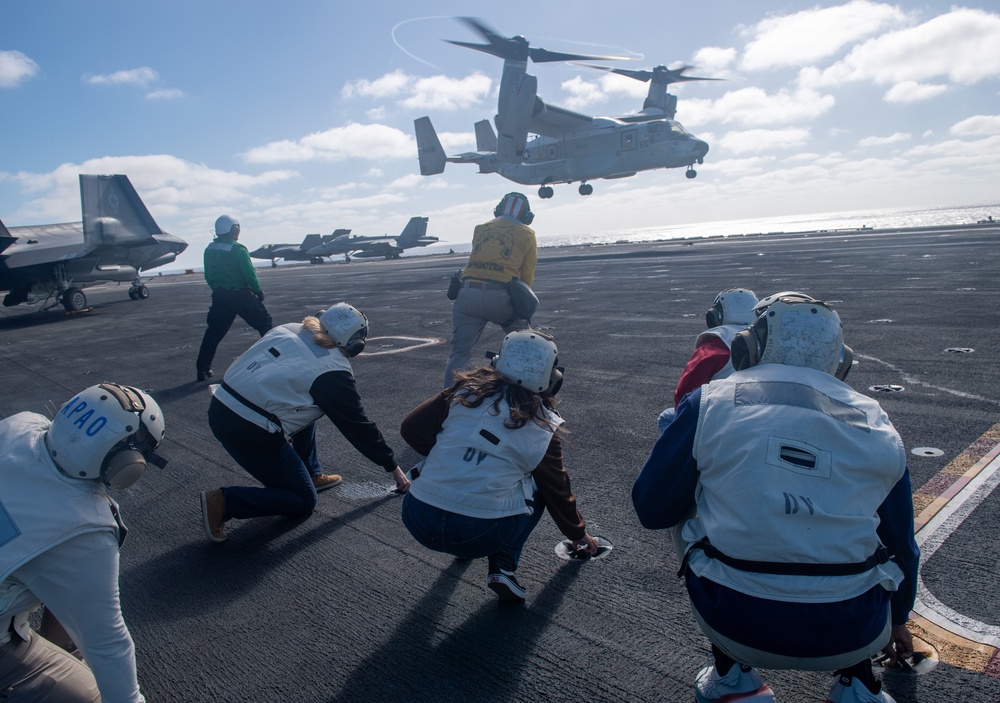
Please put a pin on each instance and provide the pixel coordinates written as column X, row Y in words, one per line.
column 260, row 296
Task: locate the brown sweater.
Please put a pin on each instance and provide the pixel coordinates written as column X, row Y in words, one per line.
column 420, row 429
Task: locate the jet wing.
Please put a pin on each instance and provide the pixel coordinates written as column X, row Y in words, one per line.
column 551, row 121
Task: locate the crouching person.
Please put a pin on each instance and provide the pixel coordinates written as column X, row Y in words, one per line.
column 59, row 540
column 264, row 414
column 791, row 508
column 493, row 462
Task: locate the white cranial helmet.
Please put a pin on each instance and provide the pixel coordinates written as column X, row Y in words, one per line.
column 733, row 306
column 796, row 333
column 227, row 225
column 107, row 432
column 347, row 326
column 528, row 358
column 761, row 306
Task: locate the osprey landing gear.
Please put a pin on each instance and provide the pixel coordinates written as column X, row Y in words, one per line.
column 545, row 192
column 586, row 189
column 690, row 173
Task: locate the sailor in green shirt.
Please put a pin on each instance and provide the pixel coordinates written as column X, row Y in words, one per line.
column 235, row 291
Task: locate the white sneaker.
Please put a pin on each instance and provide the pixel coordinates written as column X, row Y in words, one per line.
column 741, row 684
column 853, row 691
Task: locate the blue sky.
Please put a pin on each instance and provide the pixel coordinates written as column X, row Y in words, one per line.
column 298, row 117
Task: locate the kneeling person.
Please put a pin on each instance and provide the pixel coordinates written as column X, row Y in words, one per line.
column 493, row 462
column 264, row 414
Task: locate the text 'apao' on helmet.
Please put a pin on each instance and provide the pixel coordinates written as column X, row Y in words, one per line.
column 733, row 306
column 227, row 226
column 529, row 359
column 107, row 432
column 347, row 327
column 515, row 205
column 795, row 332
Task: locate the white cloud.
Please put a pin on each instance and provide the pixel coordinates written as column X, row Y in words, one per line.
column 913, row 92
column 962, row 46
column 584, row 93
column 882, row 141
column 15, row 67
column 437, row 92
column 753, row 106
column 373, row 142
column 811, row 35
column 761, row 140
column 978, row 124
column 135, row 76
column 988, row 148
column 714, row 61
column 165, row 94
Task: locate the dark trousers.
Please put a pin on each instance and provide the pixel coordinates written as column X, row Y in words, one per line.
column 226, row 305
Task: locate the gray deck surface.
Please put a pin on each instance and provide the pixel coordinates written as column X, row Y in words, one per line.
column 345, row 606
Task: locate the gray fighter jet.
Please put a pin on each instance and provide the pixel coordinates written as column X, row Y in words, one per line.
column 117, row 240
column 413, row 235
column 297, row 252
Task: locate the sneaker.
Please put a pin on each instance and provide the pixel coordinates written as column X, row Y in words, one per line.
column 213, row 514
column 851, row 690
column 324, row 481
column 741, row 683
column 205, row 375
column 501, row 579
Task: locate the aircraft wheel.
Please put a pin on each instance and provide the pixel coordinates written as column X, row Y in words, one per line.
column 545, row 192
column 274, row 264
column 586, row 189
column 133, row 293
column 141, row 293
column 690, row 173
column 74, row 300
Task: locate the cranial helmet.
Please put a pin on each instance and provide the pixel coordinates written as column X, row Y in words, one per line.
column 515, row 205
column 226, row 225
column 347, row 326
column 529, row 358
column 733, row 306
column 787, row 295
column 107, row 432
column 795, row 332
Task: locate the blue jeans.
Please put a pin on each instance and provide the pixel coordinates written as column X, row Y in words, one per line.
column 286, row 475
column 468, row 537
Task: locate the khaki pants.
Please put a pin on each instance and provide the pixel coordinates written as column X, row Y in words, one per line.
column 470, row 312
column 37, row 671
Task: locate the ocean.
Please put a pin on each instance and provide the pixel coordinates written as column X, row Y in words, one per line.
column 884, row 218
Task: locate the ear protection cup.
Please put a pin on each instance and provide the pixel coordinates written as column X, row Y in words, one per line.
column 713, row 318
column 748, row 345
column 557, row 380
column 123, row 468
column 527, row 217
column 845, row 363
column 355, row 345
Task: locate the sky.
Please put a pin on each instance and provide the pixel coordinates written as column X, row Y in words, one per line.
column 297, row 117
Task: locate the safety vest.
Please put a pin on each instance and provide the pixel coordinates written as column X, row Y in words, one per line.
column 480, row 468
column 793, row 466
column 275, row 376
column 40, row 507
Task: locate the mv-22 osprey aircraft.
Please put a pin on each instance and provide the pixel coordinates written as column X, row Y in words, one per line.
column 569, row 146
column 117, row 239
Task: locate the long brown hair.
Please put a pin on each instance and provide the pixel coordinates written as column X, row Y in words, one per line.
column 472, row 388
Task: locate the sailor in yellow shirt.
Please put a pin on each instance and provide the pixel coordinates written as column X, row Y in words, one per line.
column 502, row 249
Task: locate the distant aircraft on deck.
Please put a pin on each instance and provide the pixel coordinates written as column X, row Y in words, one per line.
column 413, row 235
column 117, row 239
column 297, row 252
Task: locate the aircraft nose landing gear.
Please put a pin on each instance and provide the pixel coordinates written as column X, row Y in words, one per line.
column 690, row 173
column 586, row 189
column 545, row 192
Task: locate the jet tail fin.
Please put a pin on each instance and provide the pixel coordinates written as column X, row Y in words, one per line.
column 486, row 138
column 113, row 213
column 311, row 240
column 429, row 150
column 415, row 229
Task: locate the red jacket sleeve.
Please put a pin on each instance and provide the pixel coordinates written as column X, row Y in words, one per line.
column 708, row 359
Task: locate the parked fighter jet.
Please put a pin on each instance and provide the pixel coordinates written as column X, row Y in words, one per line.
column 297, row 252
column 569, row 146
column 117, row 239
column 413, row 235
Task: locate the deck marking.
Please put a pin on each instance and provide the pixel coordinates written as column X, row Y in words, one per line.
column 913, row 380
column 418, row 342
